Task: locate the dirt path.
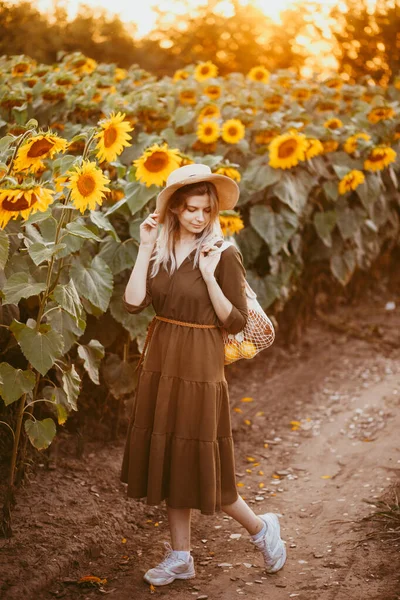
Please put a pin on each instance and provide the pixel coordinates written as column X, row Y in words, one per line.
column 343, row 397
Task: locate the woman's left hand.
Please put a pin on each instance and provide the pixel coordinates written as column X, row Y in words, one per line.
column 209, row 258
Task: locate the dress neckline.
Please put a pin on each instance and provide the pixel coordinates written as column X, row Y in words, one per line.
column 185, row 259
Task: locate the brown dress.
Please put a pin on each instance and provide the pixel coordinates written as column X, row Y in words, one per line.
column 179, row 445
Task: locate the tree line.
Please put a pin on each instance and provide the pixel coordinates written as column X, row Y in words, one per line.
column 365, row 43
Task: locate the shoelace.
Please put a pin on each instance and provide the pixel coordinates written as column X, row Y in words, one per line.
column 170, row 558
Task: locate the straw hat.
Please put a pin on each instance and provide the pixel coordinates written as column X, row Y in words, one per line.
column 227, row 189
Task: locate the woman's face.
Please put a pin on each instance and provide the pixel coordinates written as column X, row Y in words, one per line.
column 195, row 214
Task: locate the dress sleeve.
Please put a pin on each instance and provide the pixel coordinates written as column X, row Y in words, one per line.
column 132, row 308
column 231, row 278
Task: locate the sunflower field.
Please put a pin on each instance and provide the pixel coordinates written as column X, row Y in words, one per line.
column 84, row 151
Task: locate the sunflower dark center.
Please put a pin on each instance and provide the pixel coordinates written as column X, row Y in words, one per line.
column 21, row 204
column 208, row 130
column 156, row 162
column 259, row 75
column 287, row 148
column 377, row 156
column 39, row 148
column 110, row 135
column 232, row 130
column 205, row 70
column 86, row 184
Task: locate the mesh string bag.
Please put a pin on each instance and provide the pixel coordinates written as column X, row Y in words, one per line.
column 258, row 333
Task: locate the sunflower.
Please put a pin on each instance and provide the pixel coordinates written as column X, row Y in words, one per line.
column 333, row 83
column 367, row 96
column 230, row 222
column 264, row 137
column 31, row 154
column 273, row 102
column 180, row 75
column 285, row 151
column 259, row 73
column 60, row 182
column 88, row 185
column 380, row 113
column 23, row 200
column 185, row 159
column 351, row 181
column 327, row 106
column 351, row 144
column 113, row 137
column 330, row 146
column 284, row 81
column 120, row 74
column 379, row 158
column 213, row 91
column 301, row 94
column 333, row 124
column 211, row 111
column 155, row 164
column 233, row 131
column 314, row 148
column 208, row 131
column 229, row 172
column 187, row 97
column 20, row 68
column 205, row 70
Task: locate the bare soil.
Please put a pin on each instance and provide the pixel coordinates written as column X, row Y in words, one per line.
column 318, row 437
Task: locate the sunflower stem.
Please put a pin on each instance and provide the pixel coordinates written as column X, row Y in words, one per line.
column 17, row 147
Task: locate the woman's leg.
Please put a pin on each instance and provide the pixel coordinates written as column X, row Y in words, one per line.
column 242, row 513
column 179, row 525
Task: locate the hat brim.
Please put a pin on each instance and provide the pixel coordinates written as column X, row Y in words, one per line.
column 227, row 189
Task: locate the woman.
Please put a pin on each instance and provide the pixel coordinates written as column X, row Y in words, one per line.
column 179, row 445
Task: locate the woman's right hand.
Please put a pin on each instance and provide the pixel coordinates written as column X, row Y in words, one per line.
column 149, row 230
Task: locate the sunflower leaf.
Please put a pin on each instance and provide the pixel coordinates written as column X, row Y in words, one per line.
column 14, row 383
column 343, row 265
column 79, row 230
column 347, row 221
column 40, row 252
column 40, row 347
column 68, row 298
column 138, row 195
column 324, row 222
column 183, row 116
column 276, row 229
column 4, row 248
column 68, row 327
column 115, row 207
column 21, row 285
column 38, row 216
column 71, row 386
column 40, row 433
column 94, row 283
column 5, row 142
column 91, row 355
column 99, row 219
column 57, row 396
column 369, row 191
column 119, row 256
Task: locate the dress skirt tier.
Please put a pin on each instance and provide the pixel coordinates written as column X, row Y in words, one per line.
column 179, row 444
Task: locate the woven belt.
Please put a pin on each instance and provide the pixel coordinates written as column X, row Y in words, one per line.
column 166, row 320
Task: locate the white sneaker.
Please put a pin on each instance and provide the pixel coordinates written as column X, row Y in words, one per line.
column 271, row 544
column 170, row 568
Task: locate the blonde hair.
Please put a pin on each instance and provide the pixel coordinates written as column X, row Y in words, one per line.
column 164, row 250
